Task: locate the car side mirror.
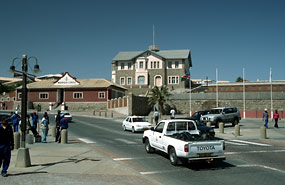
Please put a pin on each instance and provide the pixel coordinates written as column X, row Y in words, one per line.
column 152, row 128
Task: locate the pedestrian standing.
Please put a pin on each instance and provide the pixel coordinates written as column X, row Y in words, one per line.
column 44, row 127
column 265, row 118
column 57, row 123
column 63, row 126
column 15, row 121
column 276, row 117
column 35, row 120
column 155, row 115
column 172, row 113
column 6, row 145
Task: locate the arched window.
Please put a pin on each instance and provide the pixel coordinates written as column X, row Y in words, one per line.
column 141, row 79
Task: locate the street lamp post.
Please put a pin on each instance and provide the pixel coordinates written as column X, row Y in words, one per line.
column 23, row 157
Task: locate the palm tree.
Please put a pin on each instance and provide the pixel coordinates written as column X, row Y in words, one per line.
column 158, row 96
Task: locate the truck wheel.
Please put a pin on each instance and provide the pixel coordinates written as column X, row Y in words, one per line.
column 124, row 127
column 148, row 148
column 173, row 157
column 133, row 130
column 235, row 122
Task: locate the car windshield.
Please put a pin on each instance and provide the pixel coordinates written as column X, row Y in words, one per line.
column 215, row 111
column 138, row 120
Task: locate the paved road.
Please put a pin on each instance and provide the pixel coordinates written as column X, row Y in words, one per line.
column 249, row 160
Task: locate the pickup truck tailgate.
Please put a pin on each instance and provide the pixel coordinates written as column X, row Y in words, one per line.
column 206, row 150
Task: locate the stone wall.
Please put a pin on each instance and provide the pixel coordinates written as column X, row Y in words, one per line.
column 253, row 101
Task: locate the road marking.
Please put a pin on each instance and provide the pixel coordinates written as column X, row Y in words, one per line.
column 86, row 140
column 239, row 144
column 156, row 172
column 261, row 166
column 136, row 158
column 122, row 159
column 252, row 143
column 262, row 151
column 125, row 141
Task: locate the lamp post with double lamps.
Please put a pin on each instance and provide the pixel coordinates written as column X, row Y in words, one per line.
column 23, row 157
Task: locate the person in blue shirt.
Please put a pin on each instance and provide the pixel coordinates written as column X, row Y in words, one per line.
column 63, row 125
column 6, row 145
column 15, row 118
column 35, row 119
column 44, row 127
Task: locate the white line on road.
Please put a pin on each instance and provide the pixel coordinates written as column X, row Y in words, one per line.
column 86, row 140
column 125, row 141
column 136, row 158
column 262, row 151
column 261, row 166
column 156, row 172
column 239, row 144
column 252, row 143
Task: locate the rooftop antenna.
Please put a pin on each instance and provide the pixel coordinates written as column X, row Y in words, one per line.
column 153, row 35
column 153, row 47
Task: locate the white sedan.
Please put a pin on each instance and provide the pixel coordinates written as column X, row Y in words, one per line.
column 67, row 116
column 135, row 124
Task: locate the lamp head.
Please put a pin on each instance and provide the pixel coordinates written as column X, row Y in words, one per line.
column 12, row 69
column 36, row 68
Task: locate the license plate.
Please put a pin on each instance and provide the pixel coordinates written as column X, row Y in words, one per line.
column 205, row 155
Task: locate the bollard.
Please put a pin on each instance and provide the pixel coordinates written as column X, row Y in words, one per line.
column 105, row 113
column 16, row 140
column 262, row 132
column 53, row 131
column 112, row 114
column 99, row 113
column 237, row 130
column 209, row 124
column 30, row 139
column 221, row 127
column 93, row 112
column 64, row 136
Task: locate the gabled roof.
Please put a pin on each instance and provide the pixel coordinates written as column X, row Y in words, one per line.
column 166, row 54
column 83, row 83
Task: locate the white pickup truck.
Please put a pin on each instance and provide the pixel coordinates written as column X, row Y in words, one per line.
column 183, row 142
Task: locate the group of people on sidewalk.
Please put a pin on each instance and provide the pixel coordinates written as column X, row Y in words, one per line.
column 265, row 118
column 7, row 133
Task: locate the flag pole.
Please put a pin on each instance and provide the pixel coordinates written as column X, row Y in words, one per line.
column 190, row 114
column 271, row 102
column 217, row 95
column 243, row 74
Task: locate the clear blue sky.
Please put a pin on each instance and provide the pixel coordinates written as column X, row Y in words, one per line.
column 82, row 36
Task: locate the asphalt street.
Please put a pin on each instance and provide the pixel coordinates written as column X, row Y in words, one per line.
column 249, row 161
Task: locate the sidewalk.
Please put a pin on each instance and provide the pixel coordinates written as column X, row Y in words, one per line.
column 72, row 163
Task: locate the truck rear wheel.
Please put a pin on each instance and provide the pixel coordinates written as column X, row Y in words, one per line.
column 173, row 157
column 148, row 148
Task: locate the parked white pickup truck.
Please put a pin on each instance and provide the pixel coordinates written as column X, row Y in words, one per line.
column 183, row 142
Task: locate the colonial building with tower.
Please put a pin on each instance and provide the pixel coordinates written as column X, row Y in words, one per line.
column 152, row 67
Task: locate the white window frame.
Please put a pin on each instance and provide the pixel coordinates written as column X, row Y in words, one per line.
column 176, row 66
column 171, row 78
column 169, row 64
column 122, row 66
column 124, row 82
column 100, row 95
column 19, row 95
column 79, row 94
column 140, row 66
column 128, row 80
column 129, row 65
column 143, row 81
column 44, row 94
